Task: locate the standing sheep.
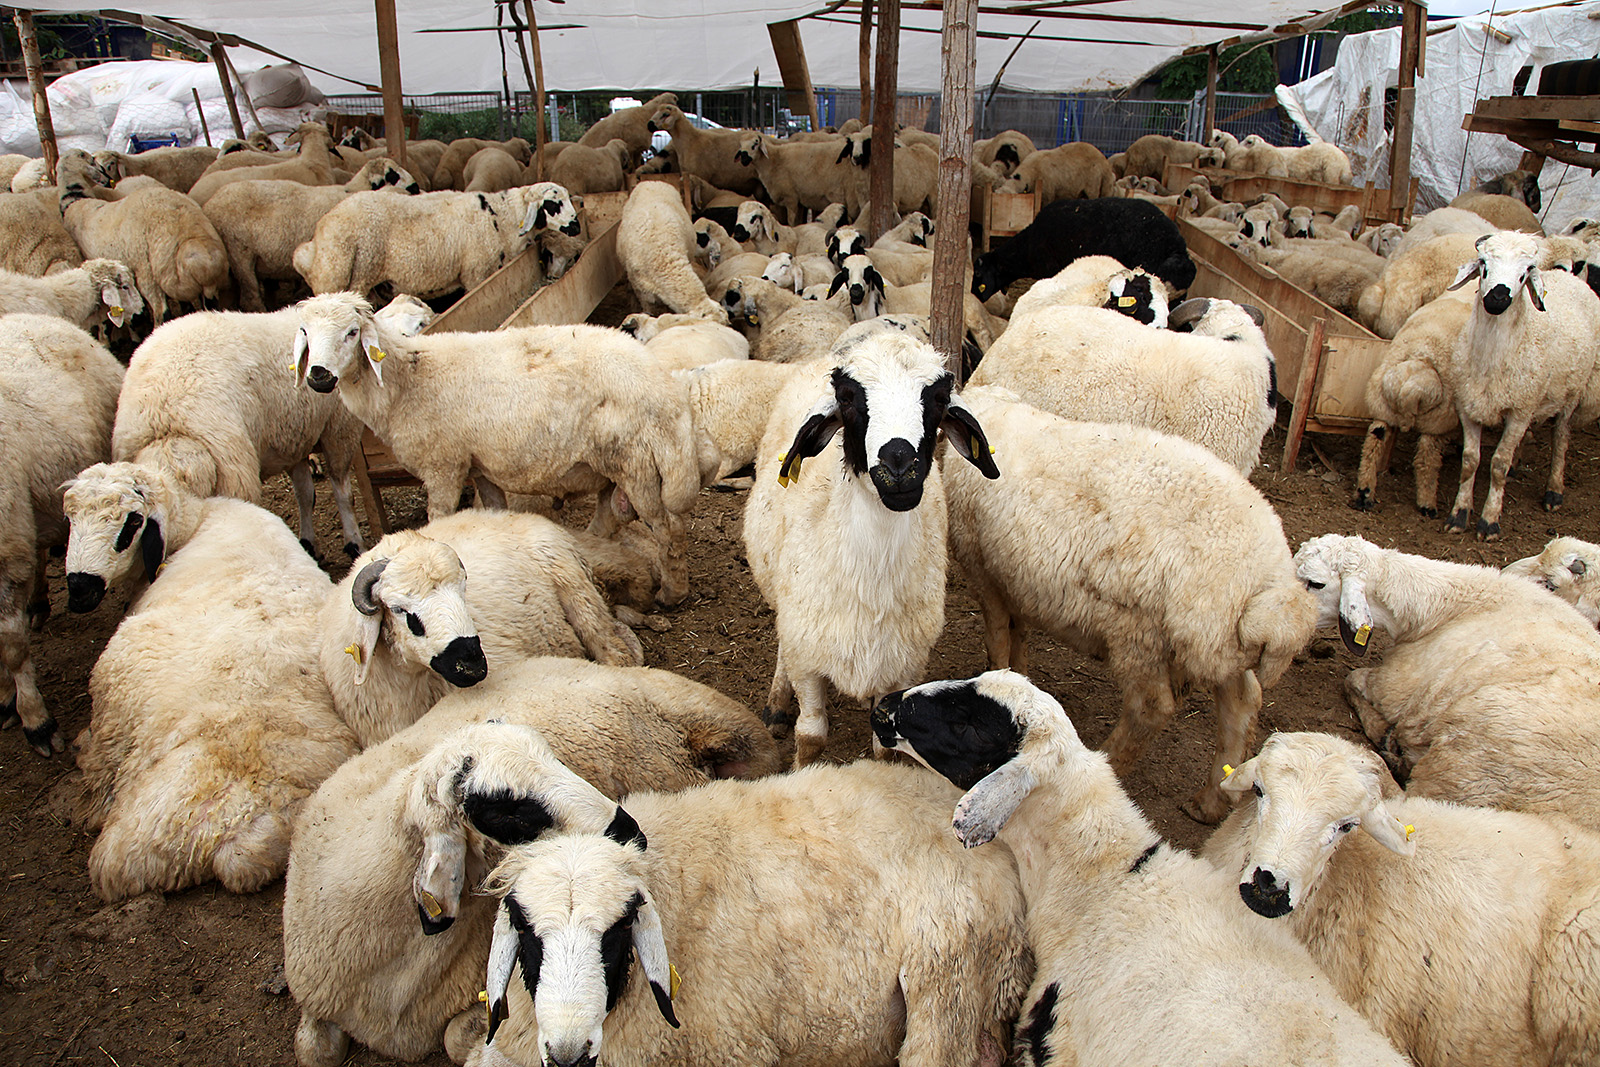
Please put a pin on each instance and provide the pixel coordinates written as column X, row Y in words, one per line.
column 710, row 154
column 1072, row 171
column 581, row 169
column 176, row 168
column 1132, row 231
column 33, row 240
column 632, row 124
column 655, row 240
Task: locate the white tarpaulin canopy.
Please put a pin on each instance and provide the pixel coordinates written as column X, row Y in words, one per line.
column 450, row 45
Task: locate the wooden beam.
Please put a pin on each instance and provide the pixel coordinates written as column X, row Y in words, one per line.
column 41, row 102
column 885, row 95
column 394, row 119
column 1548, row 108
column 1305, row 389
column 1093, row 16
column 219, row 56
column 249, row 104
column 960, row 61
column 791, row 53
column 1413, row 18
column 865, row 43
column 539, row 138
column 1211, row 95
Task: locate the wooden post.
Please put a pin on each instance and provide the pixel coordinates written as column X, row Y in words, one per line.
column 538, row 92
column 199, row 108
column 960, row 61
column 885, row 94
column 792, row 68
column 249, row 104
column 1304, row 390
column 1412, row 19
column 394, row 119
column 865, row 41
column 41, row 103
column 1211, row 95
column 219, row 57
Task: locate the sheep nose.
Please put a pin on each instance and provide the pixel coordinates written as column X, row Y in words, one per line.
column 434, row 926
column 898, row 459
column 84, row 591
column 739, row 233
column 577, row 1058
column 321, row 379
column 883, row 719
column 1264, row 896
column 461, row 663
column 1496, row 300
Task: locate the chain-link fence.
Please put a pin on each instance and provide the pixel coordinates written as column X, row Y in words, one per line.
column 1242, row 114
column 444, row 116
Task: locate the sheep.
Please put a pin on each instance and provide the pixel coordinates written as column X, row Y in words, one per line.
column 1004, row 151
column 1337, row 282
column 208, row 729
column 593, row 170
column 1098, row 281
column 755, row 227
column 262, row 222
column 632, row 124
column 208, row 398
column 654, row 241
column 1259, row 157
column 1563, row 568
column 596, row 399
column 1120, row 575
column 710, row 154
column 427, row 813
column 798, row 176
column 1317, row 162
column 933, row 966
column 916, row 175
column 1509, row 201
column 793, row 329
column 1465, row 735
column 1148, row 156
column 1114, row 912
column 1346, row 224
column 33, row 240
column 870, row 518
column 730, row 403
column 453, row 161
column 1520, row 185
column 10, row 163
column 1441, row 221
column 314, row 165
column 492, row 170
column 788, row 272
column 33, row 174
column 1527, row 353
column 1217, row 389
column 176, row 168
column 1413, row 277
column 730, row 270
column 1471, row 943
column 76, row 295
column 1410, row 390
column 1072, row 171
column 870, row 296
column 683, row 341
column 163, row 237
column 58, row 394
column 1384, row 239
column 1132, row 231
column 428, row 245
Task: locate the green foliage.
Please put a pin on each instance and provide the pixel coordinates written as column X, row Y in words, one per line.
column 484, row 123
column 1243, row 69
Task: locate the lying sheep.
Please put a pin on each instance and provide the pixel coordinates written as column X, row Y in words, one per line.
column 1113, row 911
column 1475, row 942
column 76, row 295
column 1098, row 281
column 1563, row 567
column 1317, row 162
column 596, row 399
column 1132, row 231
column 407, row 830
column 755, row 227
column 793, row 329
column 58, row 394
column 933, row 968
column 869, row 519
column 1508, row 201
column 1217, row 389
column 1065, row 542
column 679, row 342
column 1259, row 157
column 655, row 239
column 1384, row 239
column 1337, row 282
column 1465, row 735
column 1441, row 221
column 208, row 728
column 799, row 274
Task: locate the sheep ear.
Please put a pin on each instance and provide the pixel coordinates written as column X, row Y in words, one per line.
column 302, row 356
column 651, row 946
column 113, row 302
column 838, row 280
column 1466, row 274
column 988, row 805
column 874, row 279
column 375, row 354
column 814, row 434
column 152, row 548
column 1535, row 287
column 1388, row 831
column 1241, row 780
column 961, row 427
column 1355, row 617
column 361, row 649
column 436, row 885
column 799, row 278
column 502, row 960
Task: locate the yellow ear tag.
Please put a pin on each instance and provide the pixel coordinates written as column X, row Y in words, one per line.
column 1126, row 301
column 1409, row 831
column 430, row 903
column 672, row 994
column 1227, row 771
column 488, row 1010
column 991, row 450
column 752, row 318
column 1362, row 633
column 375, row 353
column 354, row 652
column 116, row 311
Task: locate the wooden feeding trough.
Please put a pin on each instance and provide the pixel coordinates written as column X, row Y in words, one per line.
column 1324, row 357
column 1243, row 187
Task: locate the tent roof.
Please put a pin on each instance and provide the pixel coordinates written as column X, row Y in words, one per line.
column 450, row 45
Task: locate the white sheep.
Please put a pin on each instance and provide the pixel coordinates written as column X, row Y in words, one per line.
column 1335, row 281
column 595, row 400
column 1510, row 724
column 1411, row 279
column 730, row 402
column 1474, row 942
column 1075, row 169
column 211, row 398
column 808, row 175
column 210, row 725
column 683, row 341
column 1527, row 353
column 1144, row 954
column 386, row 931
column 176, row 168
column 1564, row 567
column 601, row 169
column 655, row 239
column 1218, row 388
column 1441, row 221
column 756, row 227
column 314, row 164
column 449, row 174
column 58, row 394
column 870, row 296
column 793, row 329
column 852, row 554
column 922, row 960
column 404, row 627
column 1090, row 536
column 799, row 273
column 1316, row 162
column 1259, row 157
column 76, row 295
column 492, row 170
column 1099, row 281
column 33, row 239
column 711, row 154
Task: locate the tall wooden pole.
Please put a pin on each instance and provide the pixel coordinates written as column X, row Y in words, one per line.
column 1413, row 19
column 41, row 103
column 538, row 92
column 220, row 58
column 885, row 94
column 865, row 41
column 1211, row 95
column 249, row 104
column 394, row 118
column 950, row 243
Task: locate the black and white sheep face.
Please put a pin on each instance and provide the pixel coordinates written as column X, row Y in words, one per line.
column 416, row 599
column 753, row 223
column 1309, row 792
column 845, row 242
column 1140, row 296
column 548, row 206
column 863, row 284
column 1507, row 261
column 116, row 529
column 337, row 334
column 891, row 397
column 750, row 149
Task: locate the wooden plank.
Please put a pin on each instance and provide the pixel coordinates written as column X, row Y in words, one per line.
column 394, row 119
column 1413, row 19
column 1310, row 363
column 485, row 307
column 219, row 57
column 885, row 95
column 1211, row 97
column 29, row 39
column 577, row 293
column 1546, row 108
column 1347, row 366
column 950, row 247
column 791, row 53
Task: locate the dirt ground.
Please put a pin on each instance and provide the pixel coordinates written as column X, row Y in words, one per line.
column 195, row 977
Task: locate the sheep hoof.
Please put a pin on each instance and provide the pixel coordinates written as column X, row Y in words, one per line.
column 352, row 549
column 311, row 549
column 1363, row 500
column 1488, row 531
column 779, row 723
column 1206, row 806
column 1458, row 521
column 38, row 615
column 1427, row 512
column 1552, row 501
column 45, row 739
column 8, row 714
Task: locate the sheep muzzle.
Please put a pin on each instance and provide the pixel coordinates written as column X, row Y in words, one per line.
column 84, row 591
column 461, row 663
column 1264, row 896
column 321, row 379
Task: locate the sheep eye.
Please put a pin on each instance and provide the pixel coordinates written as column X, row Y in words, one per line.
column 1346, row 827
column 414, row 623
column 1315, row 585
column 352, row 332
column 1256, row 788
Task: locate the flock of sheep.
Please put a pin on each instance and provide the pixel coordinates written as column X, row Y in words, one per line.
column 460, row 765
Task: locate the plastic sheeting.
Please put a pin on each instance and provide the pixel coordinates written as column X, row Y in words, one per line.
column 1463, row 63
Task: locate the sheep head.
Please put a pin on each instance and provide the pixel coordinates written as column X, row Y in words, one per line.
column 404, row 316
column 1337, row 569
column 750, row 149
column 337, row 334
column 754, row 222
column 665, row 117
column 844, row 242
column 862, row 283
column 118, row 512
column 1507, row 261
column 1139, row 295
column 1564, row 567
column 117, row 291
column 1310, row 790
column 412, row 590
column 547, row 205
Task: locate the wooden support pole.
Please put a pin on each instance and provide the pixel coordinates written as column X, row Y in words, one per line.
column 1211, row 95
column 960, row 62
column 885, row 94
column 865, row 41
column 249, row 104
column 394, row 119
column 199, row 109
column 539, row 138
column 220, row 58
column 1304, row 391
column 791, row 53
column 1413, row 17
column 41, row 103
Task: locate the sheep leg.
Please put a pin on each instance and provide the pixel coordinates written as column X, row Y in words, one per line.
column 776, row 713
column 998, row 623
column 444, row 485
column 1147, row 707
column 305, row 500
column 1378, row 727
column 319, row 1043
column 1471, row 443
column 1425, row 466
column 26, row 704
column 1367, row 473
column 1565, row 997
column 39, row 594
column 464, row 1034
column 811, row 725
column 489, row 494
column 345, row 502
column 1505, row 453
column 1560, row 435
column 1238, row 707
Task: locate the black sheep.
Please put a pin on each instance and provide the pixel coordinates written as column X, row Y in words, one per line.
column 1131, row 230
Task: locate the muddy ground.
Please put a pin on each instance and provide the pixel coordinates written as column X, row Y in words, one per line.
column 193, row 977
